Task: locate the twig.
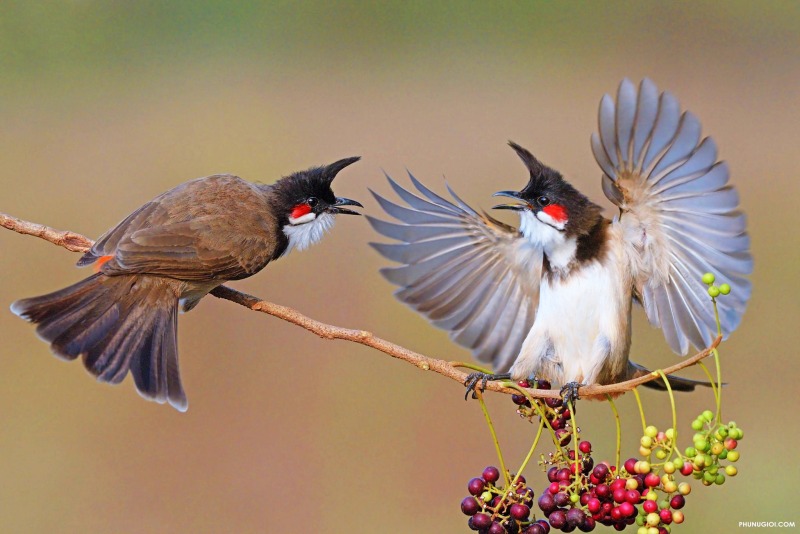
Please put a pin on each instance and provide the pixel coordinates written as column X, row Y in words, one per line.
column 78, row 243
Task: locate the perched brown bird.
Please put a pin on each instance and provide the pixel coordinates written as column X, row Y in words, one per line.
column 171, row 251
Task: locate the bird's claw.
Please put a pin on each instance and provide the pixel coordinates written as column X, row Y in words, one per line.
column 569, row 394
column 473, row 379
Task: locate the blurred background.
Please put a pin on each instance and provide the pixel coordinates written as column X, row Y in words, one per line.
column 104, row 105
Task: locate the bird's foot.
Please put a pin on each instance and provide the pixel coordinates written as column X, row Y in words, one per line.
column 473, row 379
column 569, row 394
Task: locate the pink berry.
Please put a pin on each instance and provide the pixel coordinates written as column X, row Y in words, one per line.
column 585, row 447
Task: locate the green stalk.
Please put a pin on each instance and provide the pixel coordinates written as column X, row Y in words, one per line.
column 674, row 413
column 619, row 428
column 494, row 436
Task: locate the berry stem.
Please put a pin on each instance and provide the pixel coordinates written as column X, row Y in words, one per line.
column 715, row 387
column 674, row 414
column 716, row 361
column 513, row 484
column 641, row 409
column 576, row 437
column 494, row 435
column 471, row 366
column 619, row 427
column 536, row 406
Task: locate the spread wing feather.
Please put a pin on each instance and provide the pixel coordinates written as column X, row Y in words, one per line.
column 466, row 272
column 679, row 215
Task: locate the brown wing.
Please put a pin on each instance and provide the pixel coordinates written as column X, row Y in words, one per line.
column 213, row 228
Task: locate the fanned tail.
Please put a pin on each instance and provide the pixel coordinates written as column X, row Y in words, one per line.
column 677, row 383
column 117, row 324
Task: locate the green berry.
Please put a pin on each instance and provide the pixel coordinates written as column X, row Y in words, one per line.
column 487, row 496
column 720, row 480
column 708, row 415
column 661, row 454
column 713, row 292
column 701, row 445
column 670, row 433
column 697, row 424
column 678, row 462
column 708, row 278
column 646, row 441
column 574, row 497
column 651, row 431
column 731, row 470
column 724, row 289
column 691, row 452
column 733, row 456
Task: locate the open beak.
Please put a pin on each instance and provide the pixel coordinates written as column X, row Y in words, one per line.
column 336, row 207
column 514, row 207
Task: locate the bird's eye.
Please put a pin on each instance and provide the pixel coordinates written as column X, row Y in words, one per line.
column 543, row 201
column 312, row 201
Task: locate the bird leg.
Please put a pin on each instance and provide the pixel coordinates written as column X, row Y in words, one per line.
column 473, row 379
column 569, row 394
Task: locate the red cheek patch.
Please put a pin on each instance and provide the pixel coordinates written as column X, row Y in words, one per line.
column 300, row 210
column 556, row 211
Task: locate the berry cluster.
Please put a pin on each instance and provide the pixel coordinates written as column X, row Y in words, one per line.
column 556, row 414
column 495, row 510
column 712, row 442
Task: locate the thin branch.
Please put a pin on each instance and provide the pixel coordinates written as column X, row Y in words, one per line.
column 78, row 243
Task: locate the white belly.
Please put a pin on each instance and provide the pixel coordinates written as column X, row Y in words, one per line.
column 582, row 321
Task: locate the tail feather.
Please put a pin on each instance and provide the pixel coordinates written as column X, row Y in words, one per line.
column 677, row 383
column 117, row 324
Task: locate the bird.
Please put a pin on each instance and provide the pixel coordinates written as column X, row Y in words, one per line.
column 553, row 298
column 165, row 257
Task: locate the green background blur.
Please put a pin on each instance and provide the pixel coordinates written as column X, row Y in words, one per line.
column 103, row 105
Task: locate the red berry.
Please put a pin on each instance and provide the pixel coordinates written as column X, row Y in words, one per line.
column 687, row 469
column 491, row 474
column 558, row 519
column 652, row 480
column 552, row 474
column 520, row 512
column 482, row 521
column 523, row 384
column 575, row 517
column 602, row 491
column 730, row 443
column 677, row 502
column 520, row 400
column 593, row 505
column 561, row 498
column 629, row 465
column 542, row 384
column 470, row 506
column 588, row 525
column 618, row 484
column 616, row 513
column 633, row 496
column 554, row 488
column 666, row 516
column 619, row 495
column 497, row 528
column 476, row 486
column 547, row 503
column 585, row 447
column 650, row 506
column 627, row 509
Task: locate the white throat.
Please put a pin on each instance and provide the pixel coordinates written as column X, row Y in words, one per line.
column 305, row 231
column 559, row 249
